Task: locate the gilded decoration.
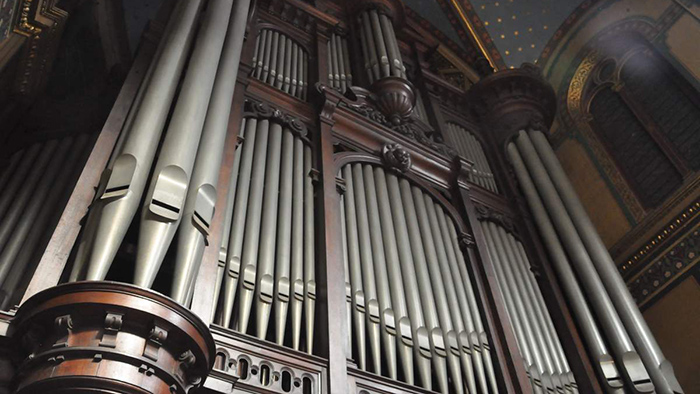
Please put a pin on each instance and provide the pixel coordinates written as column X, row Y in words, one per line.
column 658, row 275
column 575, row 105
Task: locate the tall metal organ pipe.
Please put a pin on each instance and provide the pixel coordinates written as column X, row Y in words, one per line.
column 281, row 62
column 641, row 363
column 379, row 46
column 414, row 270
column 591, row 333
column 634, row 372
column 167, row 193
column 127, row 179
column 201, row 194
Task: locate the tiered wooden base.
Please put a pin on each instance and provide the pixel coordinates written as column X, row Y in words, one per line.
column 105, row 337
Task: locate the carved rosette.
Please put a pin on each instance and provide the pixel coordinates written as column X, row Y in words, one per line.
column 395, row 97
column 512, row 100
column 107, row 337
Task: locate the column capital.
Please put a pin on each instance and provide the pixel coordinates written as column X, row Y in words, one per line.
column 512, row 100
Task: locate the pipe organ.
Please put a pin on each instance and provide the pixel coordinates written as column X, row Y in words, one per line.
column 328, row 238
column 283, row 63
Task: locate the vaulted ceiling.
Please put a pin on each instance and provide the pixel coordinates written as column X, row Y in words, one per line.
column 517, row 30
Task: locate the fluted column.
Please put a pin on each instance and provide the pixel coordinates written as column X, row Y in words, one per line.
column 518, row 105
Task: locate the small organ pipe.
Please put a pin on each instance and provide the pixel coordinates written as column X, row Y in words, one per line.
column 382, row 53
column 435, row 257
column 368, row 280
column 594, row 339
column 371, row 46
column 294, row 83
column 386, row 313
column 634, row 370
column 393, row 53
column 305, row 75
column 297, row 260
column 256, row 52
column 658, row 367
column 343, row 64
column 365, row 51
column 309, row 252
column 437, row 341
column 358, row 298
column 251, row 241
column 346, row 61
column 333, row 66
column 397, row 290
column 19, row 177
column 274, row 52
column 288, row 65
column 267, row 56
column 201, row 194
column 422, row 350
column 240, row 214
column 284, row 237
column 281, row 59
column 477, row 335
column 261, row 53
column 130, row 173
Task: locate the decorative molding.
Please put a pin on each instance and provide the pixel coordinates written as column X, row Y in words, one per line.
column 668, row 267
column 261, row 110
column 668, row 231
column 484, row 213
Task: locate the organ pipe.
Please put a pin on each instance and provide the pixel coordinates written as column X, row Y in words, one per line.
column 355, row 268
column 240, row 213
column 634, row 372
column 166, row 195
column 405, row 235
column 468, row 146
column 594, row 338
column 379, row 46
column 18, row 176
column 339, row 75
column 201, row 194
column 309, row 251
column 386, row 313
column 128, row 178
column 297, row 261
column 282, row 63
column 659, row 369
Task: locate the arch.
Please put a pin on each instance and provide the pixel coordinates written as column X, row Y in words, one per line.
column 344, row 158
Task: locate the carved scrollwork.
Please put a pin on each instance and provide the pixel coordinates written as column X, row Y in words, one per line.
column 396, row 157
column 261, row 110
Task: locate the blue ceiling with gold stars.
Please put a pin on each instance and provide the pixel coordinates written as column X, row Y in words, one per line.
column 521, row 28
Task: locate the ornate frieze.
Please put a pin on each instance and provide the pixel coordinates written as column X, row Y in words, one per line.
column 261, row 110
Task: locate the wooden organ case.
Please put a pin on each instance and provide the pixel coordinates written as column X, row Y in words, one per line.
column 289, row 197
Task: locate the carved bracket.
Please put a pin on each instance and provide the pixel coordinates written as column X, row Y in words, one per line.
column 260, row 110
